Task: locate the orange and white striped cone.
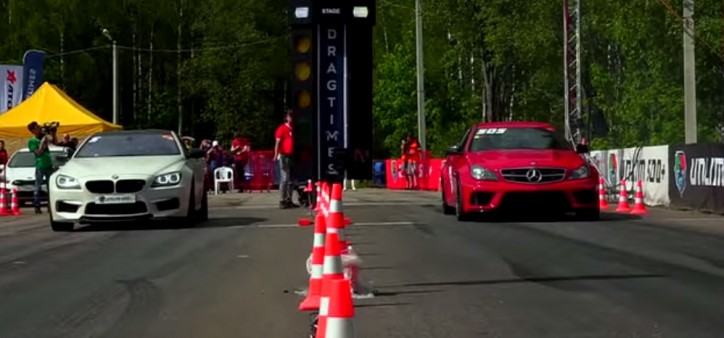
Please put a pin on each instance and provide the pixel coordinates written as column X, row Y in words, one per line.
column 15, row 204
column 639, row 207
column 602, row 198
column 336, row 216
column 311, row 302
column 306, row 221
column 623, row 199
column 325, row 199
column 340, row 312
column 318, row 200
column 4, row 211
column 332, row 271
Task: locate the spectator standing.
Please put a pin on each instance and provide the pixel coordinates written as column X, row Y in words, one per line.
column 411, row 158
column 240, row 148
column 283, row 151
column 3, row 153
column 38, row 144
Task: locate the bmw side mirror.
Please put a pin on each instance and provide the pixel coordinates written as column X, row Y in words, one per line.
column 582, row 149
column 454, row 150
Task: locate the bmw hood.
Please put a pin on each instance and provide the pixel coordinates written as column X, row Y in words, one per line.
column 135, row 165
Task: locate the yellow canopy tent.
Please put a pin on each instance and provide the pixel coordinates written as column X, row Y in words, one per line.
column 49, row 104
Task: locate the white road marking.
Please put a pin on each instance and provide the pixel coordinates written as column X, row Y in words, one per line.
column 352, row 225
column 350, row 204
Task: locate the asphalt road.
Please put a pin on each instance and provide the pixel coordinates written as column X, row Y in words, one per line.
column 235, row 276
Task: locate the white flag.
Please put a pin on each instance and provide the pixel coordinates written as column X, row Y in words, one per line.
column 11, row 87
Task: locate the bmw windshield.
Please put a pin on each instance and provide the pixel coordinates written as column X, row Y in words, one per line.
column 486, row 139
column 129, row 144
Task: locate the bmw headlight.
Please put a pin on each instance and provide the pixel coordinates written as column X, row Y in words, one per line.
column 582, row 172
column 167, row 180
column 66, row 182
column 480, row 173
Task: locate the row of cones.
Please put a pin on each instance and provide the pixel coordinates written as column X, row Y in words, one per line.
column 639, row 207
column 329, row 293
column 9, row 210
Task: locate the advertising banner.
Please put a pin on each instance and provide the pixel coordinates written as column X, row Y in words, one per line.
column 697, row 178
column 648, row 164
column 607, row 163
column 33, row 63
column 11, row 87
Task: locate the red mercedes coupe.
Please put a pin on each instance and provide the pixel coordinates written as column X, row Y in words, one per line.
column 518, row 167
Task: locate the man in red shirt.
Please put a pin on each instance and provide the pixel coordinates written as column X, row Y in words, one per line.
column 240, row 148
column 283, row 151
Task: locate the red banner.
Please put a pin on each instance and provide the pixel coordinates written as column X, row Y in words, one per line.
column 428, row 173
column 260, row 170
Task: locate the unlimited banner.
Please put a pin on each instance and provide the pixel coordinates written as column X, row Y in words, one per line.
column 697, row 179
column 648, row 164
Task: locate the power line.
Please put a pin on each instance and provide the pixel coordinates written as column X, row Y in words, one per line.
column 149, row 50
column 706, row 44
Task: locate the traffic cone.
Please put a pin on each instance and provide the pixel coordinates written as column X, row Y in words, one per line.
column 340, row 315
column 602, row 198
column 332, row 271
column 318, row 200
column 623, row 199
column 325, row 199
column 4, row 203
column 639, row 207
column 336, row 216
column 15, row 204
column 315, row 281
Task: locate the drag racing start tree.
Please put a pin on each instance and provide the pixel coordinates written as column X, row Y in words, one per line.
column 331, row 89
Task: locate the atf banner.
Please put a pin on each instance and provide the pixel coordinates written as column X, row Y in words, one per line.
column 648, row 164
column 697, row 178
column 331, row 95
column 33, row 63
column 11, row 87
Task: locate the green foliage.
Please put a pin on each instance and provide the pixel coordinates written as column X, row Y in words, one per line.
column 484, row 59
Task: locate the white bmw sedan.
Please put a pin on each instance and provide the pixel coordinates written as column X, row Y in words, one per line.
column 129, row 176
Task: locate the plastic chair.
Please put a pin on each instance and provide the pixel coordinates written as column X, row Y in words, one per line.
column 223, row 175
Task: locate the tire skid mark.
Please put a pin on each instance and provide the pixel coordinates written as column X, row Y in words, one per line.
column 143, row 308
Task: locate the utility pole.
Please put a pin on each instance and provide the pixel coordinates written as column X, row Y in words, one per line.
column 178, row 67
column 572, row 69
column 108, row 36
column 690, row 127
column 420, row 77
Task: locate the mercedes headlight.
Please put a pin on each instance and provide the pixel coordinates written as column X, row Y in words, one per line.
column 167, row 180
column 66, row 182
column 480, row 173
column 582, row 172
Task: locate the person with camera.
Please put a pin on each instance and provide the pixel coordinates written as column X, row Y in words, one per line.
column 39, row 145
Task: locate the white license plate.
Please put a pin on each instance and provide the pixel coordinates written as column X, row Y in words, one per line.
column 25, row 188
column 116, row 199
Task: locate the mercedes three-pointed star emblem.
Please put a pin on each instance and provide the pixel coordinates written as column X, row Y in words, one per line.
column 534, row 176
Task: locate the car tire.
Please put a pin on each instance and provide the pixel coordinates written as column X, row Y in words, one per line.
column 203, row 213
column 593, row 214
column 461, row 215
column 60, row 226
column 189, row 221
column 446, row 209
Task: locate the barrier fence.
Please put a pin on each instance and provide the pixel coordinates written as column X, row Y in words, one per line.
column 682, row 176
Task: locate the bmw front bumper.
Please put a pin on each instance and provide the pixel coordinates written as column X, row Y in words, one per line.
column 83, row 206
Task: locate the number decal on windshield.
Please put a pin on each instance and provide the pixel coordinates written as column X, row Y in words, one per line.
column 490, row 131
